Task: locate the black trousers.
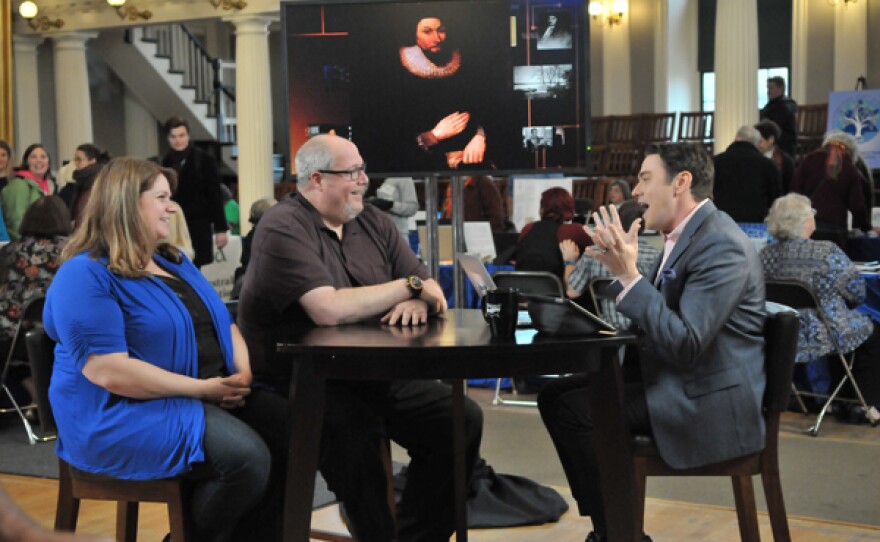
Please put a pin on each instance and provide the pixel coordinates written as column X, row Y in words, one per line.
column 565, row 409
column 418, row 416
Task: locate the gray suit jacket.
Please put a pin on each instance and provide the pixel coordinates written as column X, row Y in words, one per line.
column 701, row 344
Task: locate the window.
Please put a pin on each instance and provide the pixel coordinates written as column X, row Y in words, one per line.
column 708, row 86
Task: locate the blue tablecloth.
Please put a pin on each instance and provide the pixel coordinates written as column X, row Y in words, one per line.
column 871, row 306
column 446, row 282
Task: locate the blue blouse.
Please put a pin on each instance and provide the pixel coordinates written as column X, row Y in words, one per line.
column 90, row 310
column 836, row 283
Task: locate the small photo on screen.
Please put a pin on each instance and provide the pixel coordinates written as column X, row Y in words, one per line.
column 554, row 28
column 537, row 137
column 547, row 81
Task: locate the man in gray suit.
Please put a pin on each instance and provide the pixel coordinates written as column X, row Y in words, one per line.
column 698, row 380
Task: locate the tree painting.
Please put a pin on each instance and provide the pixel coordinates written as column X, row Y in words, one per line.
column 860, row 118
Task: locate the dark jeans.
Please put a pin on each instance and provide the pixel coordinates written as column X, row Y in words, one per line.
column 231, row 482
column 565, row 409
column 418, row 416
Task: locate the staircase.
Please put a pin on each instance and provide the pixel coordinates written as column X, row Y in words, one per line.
column 169, row 70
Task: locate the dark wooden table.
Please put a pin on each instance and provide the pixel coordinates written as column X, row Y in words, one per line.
column 456, row 346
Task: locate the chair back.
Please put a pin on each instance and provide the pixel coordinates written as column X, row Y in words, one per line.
column 41, row 353
column 596, row 286
column 530, row 282
column 794, row 293
column 780, row 348
column 31, row 312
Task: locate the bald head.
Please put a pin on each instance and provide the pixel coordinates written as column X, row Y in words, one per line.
column 331, row 175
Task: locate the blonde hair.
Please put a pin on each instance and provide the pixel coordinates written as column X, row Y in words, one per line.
column 112, row 226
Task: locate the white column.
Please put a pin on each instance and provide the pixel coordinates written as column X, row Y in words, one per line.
column 797, row 87
column 141, row 129
column 736, row 69
column 850, row 44
column 661, row 57
column 253, row 109
column 27, row 99
column 616, row 76
column 73, row 105
column 675, row 75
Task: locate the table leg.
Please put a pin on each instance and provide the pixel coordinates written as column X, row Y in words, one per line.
column 305, row 418
column 459, row 453
column 613, row 449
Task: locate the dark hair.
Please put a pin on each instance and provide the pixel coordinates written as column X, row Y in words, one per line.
column 94, row 153
column 625, row 189
column 629, row 211
column 778, row 81
column 175, row 122
column 769, row 129
column 6, row 170
column 691, row 157
column 557, row 204
column 46, row 217
column 27, row 153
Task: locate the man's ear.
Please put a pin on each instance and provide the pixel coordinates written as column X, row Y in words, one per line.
column 315, row 180
column 682, row 182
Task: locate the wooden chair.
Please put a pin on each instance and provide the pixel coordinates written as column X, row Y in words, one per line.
column 697, row 127
column 812, row 121
column 781, row 334
column 31, row 313
column 658, row 127
column 800, row 296
column 75, row 485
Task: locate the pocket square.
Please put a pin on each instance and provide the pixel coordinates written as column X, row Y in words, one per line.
column 667, row 274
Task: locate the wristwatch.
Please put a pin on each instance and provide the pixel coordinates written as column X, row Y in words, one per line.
column 414, row 284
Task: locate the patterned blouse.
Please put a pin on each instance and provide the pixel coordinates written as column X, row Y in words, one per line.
column 27, row 266
column 836, row 283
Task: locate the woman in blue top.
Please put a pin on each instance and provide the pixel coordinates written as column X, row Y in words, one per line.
column 150, row 374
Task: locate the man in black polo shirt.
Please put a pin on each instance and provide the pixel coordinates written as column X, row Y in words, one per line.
column 323, row 258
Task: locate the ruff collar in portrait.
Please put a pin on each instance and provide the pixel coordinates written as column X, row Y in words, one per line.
column 415, row 61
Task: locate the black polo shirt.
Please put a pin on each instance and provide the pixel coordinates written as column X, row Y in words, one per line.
column 294, row 252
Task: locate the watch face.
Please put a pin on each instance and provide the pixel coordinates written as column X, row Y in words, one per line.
column 415, row 283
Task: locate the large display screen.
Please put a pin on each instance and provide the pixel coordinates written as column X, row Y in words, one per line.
column 439, row 87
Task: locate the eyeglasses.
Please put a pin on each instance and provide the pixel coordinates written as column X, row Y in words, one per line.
column 353, row 173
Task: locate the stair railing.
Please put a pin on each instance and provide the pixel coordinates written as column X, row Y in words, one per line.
column 211, row 78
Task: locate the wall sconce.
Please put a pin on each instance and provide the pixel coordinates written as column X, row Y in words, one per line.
column 229, row 4
column 615, row 14
column 129, row 12
column 28, row 11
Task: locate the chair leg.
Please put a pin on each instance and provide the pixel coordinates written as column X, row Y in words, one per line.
column 775, row 504
column 177, row 517
column 640, row 473
column 32, row 438
column 746, row 509
column 800, row 400
column 67, row 509
column 126, row 521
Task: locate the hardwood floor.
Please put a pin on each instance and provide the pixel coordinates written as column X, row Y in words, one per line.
column 666, row 521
